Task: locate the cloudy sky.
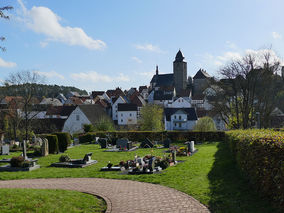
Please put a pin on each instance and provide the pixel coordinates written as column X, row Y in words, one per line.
column 97, row 45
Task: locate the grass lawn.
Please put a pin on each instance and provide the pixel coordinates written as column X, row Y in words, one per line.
column 45, row 200
column 209, row 175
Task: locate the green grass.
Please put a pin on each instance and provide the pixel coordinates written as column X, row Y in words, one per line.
column 45, row 200
column 209, row 175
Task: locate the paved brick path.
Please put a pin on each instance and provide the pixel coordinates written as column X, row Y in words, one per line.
column 121, row 195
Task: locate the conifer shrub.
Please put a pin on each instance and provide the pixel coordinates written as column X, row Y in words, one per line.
column 64, row 140
column 52, row 144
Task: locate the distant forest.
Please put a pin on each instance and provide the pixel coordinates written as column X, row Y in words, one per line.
column 42, row 90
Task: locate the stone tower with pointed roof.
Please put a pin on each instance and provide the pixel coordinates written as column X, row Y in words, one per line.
column 180, row 73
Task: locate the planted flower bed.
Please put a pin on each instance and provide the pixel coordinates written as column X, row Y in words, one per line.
column 260, row 156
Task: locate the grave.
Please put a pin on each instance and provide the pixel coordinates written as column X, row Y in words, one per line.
column 103, row 142
column 44, row 147
column 190, row 147
column 167, row 143
column 8, row 168
column 122, row 145
column 147, row 143
column 5, row 149
column 77, row 163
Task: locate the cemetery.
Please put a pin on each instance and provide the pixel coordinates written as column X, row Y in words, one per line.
column 65, row 161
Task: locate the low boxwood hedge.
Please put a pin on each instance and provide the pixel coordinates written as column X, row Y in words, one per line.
column 260, row 157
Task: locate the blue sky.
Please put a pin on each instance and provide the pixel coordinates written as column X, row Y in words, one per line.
column 98, row 45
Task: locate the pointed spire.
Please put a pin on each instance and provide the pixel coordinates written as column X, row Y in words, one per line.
column 157, row 70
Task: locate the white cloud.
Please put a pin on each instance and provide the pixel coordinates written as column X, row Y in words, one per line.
column 44, row 21
column 231, row 45
column 148, row 47
column 134, row 58
column 147, row 74
column 99, row 78
column 43, row 44
column 276, row 35
column 226, row 57
column 260, row 56
column 7, row 64
column 51, row 74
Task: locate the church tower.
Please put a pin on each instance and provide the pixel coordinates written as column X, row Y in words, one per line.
column 180, row 73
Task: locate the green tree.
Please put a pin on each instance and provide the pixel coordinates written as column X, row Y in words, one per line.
column 104, row 124
column 151, row 118
column 205, row 124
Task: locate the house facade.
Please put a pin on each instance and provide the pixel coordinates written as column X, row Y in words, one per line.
column 127, row 114
column 181, row 119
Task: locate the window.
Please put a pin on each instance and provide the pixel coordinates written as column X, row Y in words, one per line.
column 130, row 114
column 179, row 124
column 175, row 124
column 121, row 115
column 77, row 117
column 180, row 117
column 121, row 120
column 175, row 117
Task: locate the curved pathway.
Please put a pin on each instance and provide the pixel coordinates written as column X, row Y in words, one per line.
column 120, row 195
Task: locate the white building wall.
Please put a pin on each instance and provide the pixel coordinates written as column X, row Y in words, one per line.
column 75, row 122
column 182, row 124
column 179, row 103
column 127, row 117
column 115, row 106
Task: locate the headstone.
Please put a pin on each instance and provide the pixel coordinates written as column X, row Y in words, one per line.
column 38, row 142
column 191, row 146
column 167, row 143
column 76, row 141
column 152, row 164
column 122, row 143
column 5, row 149
column 147, row 144
column 129, row 145
column 140, row 161
column 103, row 142
column 87, row 157
column 44, row 147
column 174, row 156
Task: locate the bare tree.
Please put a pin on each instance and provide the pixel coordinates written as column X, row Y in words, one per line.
column 28, row 81
column 247, row 86
column 2, row 15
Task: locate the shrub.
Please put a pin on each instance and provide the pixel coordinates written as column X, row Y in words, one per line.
column 64, row 158
column 260, row 156
column 205, row 124
column 17, row 161
column 86, row 138
column 52, row 144
column 104, row 124
column 88, row 128
column 64, row 140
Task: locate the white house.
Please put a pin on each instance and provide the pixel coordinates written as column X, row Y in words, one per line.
column 119, row 100
column 180, row 118
column 179, row 103
column 127, row 114
column 83, row 114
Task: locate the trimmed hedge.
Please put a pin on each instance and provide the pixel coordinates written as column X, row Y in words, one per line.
column 260, row 157
column 52, row 144
column 158, row 136
column 64, row 140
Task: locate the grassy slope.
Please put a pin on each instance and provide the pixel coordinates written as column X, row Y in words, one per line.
column 209, row 175
column 44, row 200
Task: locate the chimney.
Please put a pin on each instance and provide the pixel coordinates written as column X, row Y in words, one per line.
column 157, row 70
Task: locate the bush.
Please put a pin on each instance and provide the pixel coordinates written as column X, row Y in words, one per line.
column 205, row 124
column 64, row 158
column 88, row 128
column 260, row 156
column 52, row 144
column 104, row 124
column 64, row 140
column 17, row 161
column 86, row 138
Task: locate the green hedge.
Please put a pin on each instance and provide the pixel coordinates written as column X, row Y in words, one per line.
column 260, row 156
column 52, row 144
column 158, row 136
column 64, row 140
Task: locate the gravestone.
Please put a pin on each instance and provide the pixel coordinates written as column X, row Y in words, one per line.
column 167, row 143
column 103, row 142
column 174, row 156
column 122, row 143
column 5, row 149
column 44, row 147
column 191, row 146
column 87, row 158
column 147, row 144
column 76, row 141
